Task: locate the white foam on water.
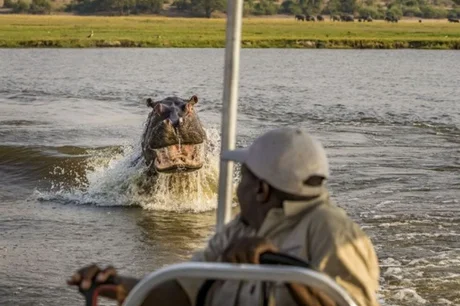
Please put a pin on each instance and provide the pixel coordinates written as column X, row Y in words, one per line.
column 393, row 224
column 119, row 179
column 405, row 281
column 378, row 217
column 418, row 262
column 393, row 271
column 444, row 301
column 409, row 236
column 390, row 262
column 408, row 295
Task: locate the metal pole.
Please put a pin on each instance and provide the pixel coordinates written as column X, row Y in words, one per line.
column 229, row 108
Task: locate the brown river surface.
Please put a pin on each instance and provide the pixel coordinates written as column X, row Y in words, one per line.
column 70, row 127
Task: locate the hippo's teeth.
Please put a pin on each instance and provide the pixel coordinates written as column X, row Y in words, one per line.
column 179, row 156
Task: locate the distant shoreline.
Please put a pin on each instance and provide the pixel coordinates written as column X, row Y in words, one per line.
column 68, row 31
column 260, row 44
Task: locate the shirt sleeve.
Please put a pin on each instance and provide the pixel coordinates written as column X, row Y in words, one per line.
column 212, row 253
column 339, row 248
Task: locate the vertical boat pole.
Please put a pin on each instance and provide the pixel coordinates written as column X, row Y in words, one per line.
column 229, row 108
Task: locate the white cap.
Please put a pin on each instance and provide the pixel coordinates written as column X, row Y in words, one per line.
column 285, row 158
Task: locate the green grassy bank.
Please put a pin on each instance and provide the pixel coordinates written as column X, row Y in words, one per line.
column 143, row 31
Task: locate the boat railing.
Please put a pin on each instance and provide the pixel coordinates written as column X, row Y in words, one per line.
column 246, row 272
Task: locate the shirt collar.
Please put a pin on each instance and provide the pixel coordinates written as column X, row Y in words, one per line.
column 290, row 209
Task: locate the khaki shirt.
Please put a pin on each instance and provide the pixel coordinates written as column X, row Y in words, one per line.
column 316, row 231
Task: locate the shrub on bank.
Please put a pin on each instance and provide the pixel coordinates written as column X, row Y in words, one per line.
column 454, row 13
column 8, row 4
column 433, row 12
column 265, row 7
column 374, row 12
column 290, row 7
column 21, row 6
column 40, row 7
column 412, row 11
column 394, row 11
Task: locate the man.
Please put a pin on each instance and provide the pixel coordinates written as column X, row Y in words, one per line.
column 285, row 208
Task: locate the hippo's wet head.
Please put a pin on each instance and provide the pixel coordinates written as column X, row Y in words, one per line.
column 174, row 138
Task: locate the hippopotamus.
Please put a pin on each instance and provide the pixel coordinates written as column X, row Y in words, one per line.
column 335, row 18
column 391, row 19
column 347, row 18
column 173, row 139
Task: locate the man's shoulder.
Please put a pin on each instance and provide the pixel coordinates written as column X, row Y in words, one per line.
column 330, row 210
column 331, row 219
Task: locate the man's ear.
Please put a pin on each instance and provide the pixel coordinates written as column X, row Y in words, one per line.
column 263, row 192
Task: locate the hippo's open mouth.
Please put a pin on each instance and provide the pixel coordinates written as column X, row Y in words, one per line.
column 179, row 158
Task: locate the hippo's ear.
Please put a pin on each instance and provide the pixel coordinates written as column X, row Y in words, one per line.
column 150, row 103
column 193, row 100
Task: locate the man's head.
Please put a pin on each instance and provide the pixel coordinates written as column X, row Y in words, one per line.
column 282, row 164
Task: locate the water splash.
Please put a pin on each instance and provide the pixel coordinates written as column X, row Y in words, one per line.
column 118, row 178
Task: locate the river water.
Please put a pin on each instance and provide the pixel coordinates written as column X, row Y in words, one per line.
column 70, row 126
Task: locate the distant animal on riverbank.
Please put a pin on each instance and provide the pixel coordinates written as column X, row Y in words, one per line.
column 335, row 18
column 347, row 18
column 300, row 17
column 391, row 19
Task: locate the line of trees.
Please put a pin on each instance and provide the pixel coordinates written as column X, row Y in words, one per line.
column 205, row 8
column 33, row 7
column 126, row 7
